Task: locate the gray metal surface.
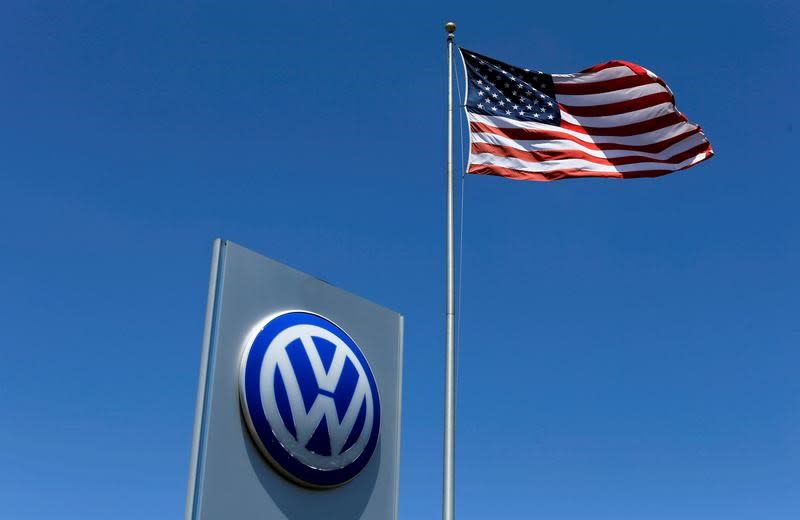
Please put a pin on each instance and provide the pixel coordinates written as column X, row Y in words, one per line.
column 229, row 477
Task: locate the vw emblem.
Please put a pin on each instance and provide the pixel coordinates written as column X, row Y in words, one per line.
column 309, row 399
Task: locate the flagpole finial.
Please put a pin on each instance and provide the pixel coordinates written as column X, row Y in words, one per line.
column 450, row 27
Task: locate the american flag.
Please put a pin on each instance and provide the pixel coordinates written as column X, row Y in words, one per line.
column 616, row 119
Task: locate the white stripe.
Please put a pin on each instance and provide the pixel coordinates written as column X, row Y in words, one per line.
column 615, row 96
column 575, row 164
column 592, row 77
column 565, row 144
column 636, row 116
column 638, row 139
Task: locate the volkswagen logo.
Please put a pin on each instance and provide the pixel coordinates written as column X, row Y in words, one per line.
column 309, row 399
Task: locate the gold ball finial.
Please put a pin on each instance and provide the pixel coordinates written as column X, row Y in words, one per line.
column 450, row 27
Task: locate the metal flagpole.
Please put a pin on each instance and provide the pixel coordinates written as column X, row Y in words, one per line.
column 448, row 498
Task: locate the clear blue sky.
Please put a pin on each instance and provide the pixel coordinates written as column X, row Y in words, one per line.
column 630, row 348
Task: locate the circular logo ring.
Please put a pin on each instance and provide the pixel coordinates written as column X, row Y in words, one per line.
column 309, row 399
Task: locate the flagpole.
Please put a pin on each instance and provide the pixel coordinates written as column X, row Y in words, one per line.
column 448, row 498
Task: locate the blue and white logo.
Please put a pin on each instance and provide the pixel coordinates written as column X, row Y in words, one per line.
column 309, row 399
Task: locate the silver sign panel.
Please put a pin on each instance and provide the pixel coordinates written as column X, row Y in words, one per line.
column 298, row 407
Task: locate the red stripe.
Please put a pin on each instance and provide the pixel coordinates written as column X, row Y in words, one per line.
column 641, row 127
column 616, row 63
column 601, row 87
column 518, row 134
column 559, row 155
column 621, row 107
column 486, row 169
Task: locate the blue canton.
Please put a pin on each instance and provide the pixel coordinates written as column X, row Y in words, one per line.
column 499, row 89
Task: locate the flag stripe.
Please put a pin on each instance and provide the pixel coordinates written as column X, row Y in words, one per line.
column 558, row 155
column 649, row 141
column 649, row 125
column 620, row 107
column 607, row 98
column 554, row 175
column 579, row 164
column 637, row 69
column 598, row 87
column 627, row 118
column 593, row 77
column 691, row 141
column 535, row 135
